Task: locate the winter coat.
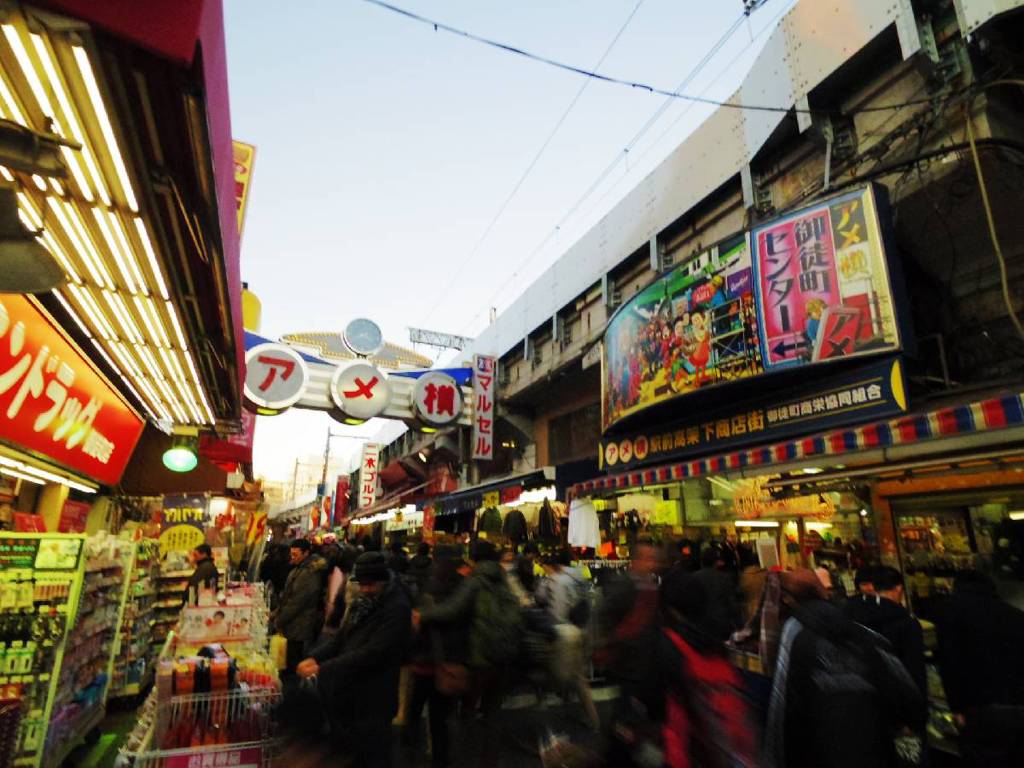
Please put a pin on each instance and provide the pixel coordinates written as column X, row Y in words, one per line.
column 627, row 621
column 419, row 571
column 839, row 694
column 359, row 664
column 459, row 608
column 706, row 720
column 299, row 615
column 980, row 642
column 205, row 575
column 893, row 622
column 726, row 615
column 490, row 521
column 514, row 527
column 561, row 591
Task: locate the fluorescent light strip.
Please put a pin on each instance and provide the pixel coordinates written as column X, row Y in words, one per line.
column 20, row 476
column 62, row 257
column 56, row 187
column 85, row 67
column 157, row 375
column 158, row 321
column 27, row 69
column 39, row 181
column 177, row 325
column 74, row 315
column 65, row 104
column 199, row 386
column 117, row 226
column 147, row 246
column 190, row 399
column 124, row 379
column 30, row 210
column 37, row 475
column 756, row 524
column 128, row 315
column 6, row 173
column 123, row 354
column 180, row 383
column 115, row 249
column 141, row 306
column 57, row 206
column 130, row 331
column 92, row 311
column 83, row 230
column 13, row 110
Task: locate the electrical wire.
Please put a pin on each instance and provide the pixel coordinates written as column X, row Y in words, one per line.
column 441, row 26
column 982, row 187
column 622, row 154
column 532, row 164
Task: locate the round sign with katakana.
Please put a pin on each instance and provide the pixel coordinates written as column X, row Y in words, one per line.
column 275, row 377
column 360, row 390
column 437, row 399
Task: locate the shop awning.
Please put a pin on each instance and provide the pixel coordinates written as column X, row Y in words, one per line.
column 1004, row 413
column 388, row 501
column 472, row 497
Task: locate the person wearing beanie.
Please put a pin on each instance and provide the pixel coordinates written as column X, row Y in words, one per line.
column 299, row 614
column 357, row 668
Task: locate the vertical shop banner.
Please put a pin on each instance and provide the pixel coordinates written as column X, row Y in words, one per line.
column 54, row 403
column 244, row 156
column 484, row 372
column 369, row 470
column 183, row 522
column 822, row 283
column 256, row 528
column 73, row 516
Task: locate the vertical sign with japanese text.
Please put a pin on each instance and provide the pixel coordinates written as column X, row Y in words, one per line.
column 484, row 371
column 183, row 523
column 244, row 155
column 53, row 402
column 369, row 471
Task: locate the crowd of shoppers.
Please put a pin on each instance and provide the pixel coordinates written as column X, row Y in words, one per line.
column 844, row 680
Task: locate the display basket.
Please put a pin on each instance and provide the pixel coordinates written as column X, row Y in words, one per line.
column 231, row 729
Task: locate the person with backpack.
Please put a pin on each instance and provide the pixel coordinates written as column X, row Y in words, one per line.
column 566, row 595
column 486, row 606
column 840, row 696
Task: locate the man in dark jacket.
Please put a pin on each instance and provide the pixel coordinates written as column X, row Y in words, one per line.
column 981, row 661
column 883, row 612
column 299, row 614
column 419, row 566
column 205, row 575
column 357, row 668
column 839, row 694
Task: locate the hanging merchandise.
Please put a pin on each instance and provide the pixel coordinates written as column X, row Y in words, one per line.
column 584, row 530
column 490, row 521
column 514, row 528
column 135, row 655
column 549, row 528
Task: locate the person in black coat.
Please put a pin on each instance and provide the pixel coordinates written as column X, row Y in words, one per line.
column 357, row 668
column 419, row 566
column 981, row 661
column 205, row 575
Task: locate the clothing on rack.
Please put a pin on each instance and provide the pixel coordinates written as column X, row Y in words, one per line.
column 514, row 527
column 584, row 530
column 548, row 525
column 490, row 521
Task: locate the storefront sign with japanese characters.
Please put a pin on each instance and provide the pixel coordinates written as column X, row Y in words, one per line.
column 182, row 523
column 437, row 399
column 822, row 283
column 369, row 471
column 54, row 403
column 360, row 390
column 275, row 377
column 871, row 392
column 485, row 369
column 811, row 287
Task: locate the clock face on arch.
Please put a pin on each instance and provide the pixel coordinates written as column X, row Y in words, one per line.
column 363, row 337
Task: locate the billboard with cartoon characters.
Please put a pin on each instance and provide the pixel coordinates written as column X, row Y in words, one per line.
column 810, row 287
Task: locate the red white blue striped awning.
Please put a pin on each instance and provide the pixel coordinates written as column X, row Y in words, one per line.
column 985, row 415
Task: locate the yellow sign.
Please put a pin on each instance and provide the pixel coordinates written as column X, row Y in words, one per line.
column 180, row 538
column 244, row 157
column 492, row 499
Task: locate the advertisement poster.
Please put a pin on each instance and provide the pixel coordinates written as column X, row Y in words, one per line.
column 58, row 554
column 485, row 370
column 216, row 623
column 74, row 516
column 695, row 327
column 182, row 523
column 822, row 283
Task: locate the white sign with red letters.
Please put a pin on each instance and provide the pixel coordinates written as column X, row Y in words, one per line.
column 369, row 470
column 275, row 377
column 360, row 390
column 437, row 399
column 484, row 371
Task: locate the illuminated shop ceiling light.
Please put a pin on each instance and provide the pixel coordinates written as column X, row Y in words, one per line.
column 91, row 223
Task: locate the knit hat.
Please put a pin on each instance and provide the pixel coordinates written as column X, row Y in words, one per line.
column 301, row 544
column 371, row 567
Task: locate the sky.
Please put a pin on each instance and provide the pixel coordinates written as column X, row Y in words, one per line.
column 386, row 149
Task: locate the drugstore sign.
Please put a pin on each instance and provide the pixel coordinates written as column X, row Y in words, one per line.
column 809, row 288
column 871, row 392
column 54, row 403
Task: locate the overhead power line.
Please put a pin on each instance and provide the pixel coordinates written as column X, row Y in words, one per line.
column 533, row 163
column 441, row 26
